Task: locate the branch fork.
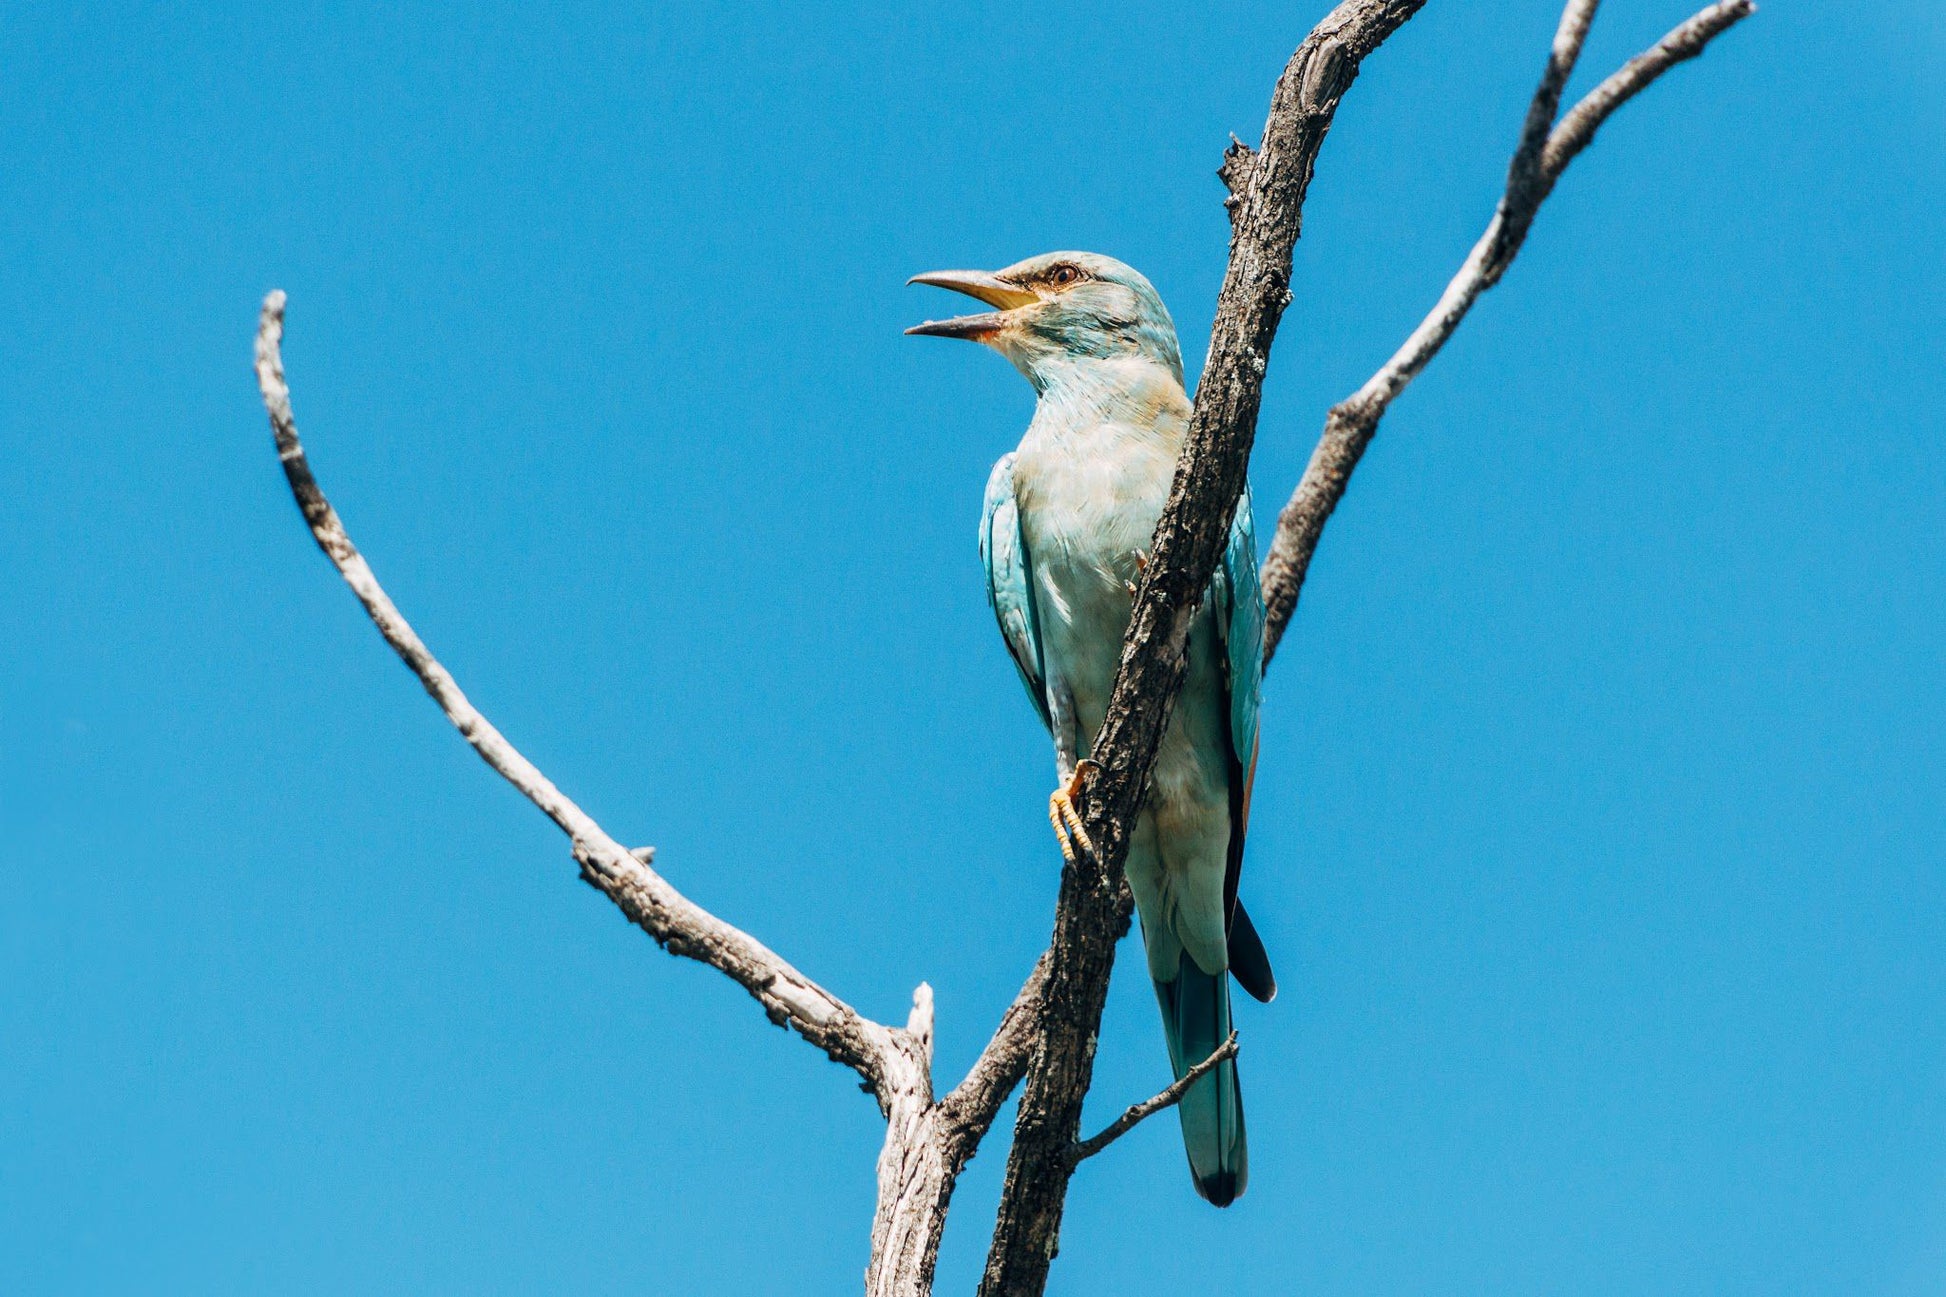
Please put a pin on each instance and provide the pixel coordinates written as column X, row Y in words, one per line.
column 1546, row 147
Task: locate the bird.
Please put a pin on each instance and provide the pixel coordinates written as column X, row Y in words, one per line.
column 1063, row 531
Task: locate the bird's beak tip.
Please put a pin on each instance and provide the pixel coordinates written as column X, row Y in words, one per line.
column 975, row 327
column 988, row 288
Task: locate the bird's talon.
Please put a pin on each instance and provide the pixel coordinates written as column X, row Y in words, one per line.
column 1069, row 827
column 1061, row 834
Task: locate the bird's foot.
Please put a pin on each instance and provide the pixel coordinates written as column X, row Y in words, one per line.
column 1068, row 826
column 1141, row 567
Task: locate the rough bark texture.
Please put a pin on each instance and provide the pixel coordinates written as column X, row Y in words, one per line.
column 928, row 1144
column 915, row 1177
column 1093, row 909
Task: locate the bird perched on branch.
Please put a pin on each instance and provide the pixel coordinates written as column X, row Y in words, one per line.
column 1068, row 516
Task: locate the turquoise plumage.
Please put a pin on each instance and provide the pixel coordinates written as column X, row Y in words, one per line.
column 1061, row 537
column 1007, row 590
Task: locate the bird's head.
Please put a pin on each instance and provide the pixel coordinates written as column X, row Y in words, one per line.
column 1061, row 314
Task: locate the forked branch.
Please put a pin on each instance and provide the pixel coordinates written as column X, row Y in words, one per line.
column 1546, row 147
column 1267, row 189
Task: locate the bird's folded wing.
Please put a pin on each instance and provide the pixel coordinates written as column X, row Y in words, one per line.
column 1237, row 603
column 1239, row 608
column 1009, row 588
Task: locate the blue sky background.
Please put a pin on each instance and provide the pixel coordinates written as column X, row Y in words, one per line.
column 1599, row 827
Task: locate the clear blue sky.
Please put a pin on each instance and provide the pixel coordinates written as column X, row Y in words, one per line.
column 1599, row 828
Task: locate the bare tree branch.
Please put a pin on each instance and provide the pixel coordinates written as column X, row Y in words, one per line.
column 1137, row 1113
column 926, row 1147
column 1092, row 912
column 1544, row 152
column 927, row 1144
column 968, row 1111
column 893, row 1063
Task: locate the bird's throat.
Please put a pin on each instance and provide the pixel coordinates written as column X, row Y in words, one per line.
column 1131, row 391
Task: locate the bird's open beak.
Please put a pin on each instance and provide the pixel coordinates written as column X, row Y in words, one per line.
column 988, row 288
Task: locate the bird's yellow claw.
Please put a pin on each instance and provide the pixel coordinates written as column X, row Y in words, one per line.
column 1068, row 826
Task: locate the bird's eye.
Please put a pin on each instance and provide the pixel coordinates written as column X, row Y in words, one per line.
column 1062, row 276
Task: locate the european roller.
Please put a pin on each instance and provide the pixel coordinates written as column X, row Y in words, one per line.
column 1068, row 516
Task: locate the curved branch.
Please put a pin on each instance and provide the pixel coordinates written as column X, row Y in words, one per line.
column 1138, row 1113
column 892, row 1062
column 1542, row 155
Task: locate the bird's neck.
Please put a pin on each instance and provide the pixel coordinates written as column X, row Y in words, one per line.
column 1132, row 390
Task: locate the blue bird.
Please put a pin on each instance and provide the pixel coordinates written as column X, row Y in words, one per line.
column 1068, row 516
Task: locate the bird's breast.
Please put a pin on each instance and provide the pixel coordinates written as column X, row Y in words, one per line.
column 1089, row 501
column 1089, row 497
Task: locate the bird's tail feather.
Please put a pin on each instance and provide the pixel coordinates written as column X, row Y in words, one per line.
column 1196, row 1019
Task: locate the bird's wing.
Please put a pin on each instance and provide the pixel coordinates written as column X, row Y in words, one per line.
column 1009, row 589
column 1238, row 604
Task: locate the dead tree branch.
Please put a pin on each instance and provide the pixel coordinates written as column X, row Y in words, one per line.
column 1093, row 909
column 918, row 1165
column 890, row 1061
column 1137, row 1113
column 1267, row 193
column 1546, row 147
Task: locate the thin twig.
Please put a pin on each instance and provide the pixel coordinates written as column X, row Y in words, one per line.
column 1136, row 1114
column 1538, row 162
column 892, row 1062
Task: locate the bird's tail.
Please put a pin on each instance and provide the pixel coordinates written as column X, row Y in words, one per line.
column 1196, row 1019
